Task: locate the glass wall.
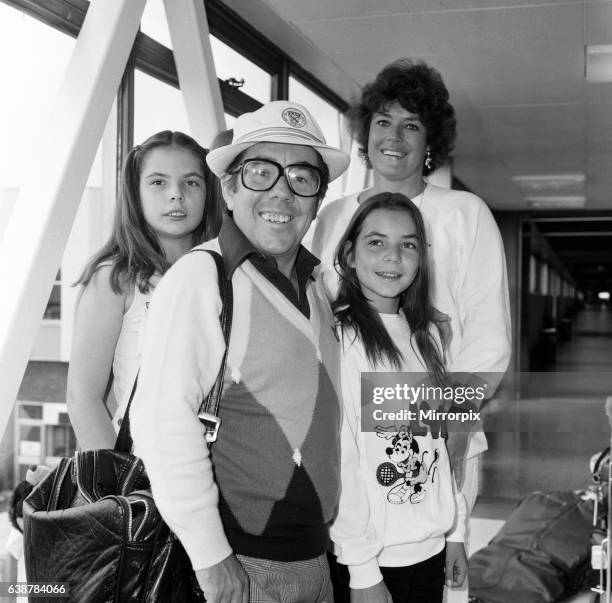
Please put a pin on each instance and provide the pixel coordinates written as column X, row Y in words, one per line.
column 157, row 106
column 240, row 72
column 27, row 84
column 328, row 117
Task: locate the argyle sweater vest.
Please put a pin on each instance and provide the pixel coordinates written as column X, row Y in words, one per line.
column 276, row 461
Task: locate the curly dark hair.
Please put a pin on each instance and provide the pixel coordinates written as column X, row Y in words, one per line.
column 418, row 88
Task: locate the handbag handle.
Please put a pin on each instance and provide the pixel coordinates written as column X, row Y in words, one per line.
column 209, row 408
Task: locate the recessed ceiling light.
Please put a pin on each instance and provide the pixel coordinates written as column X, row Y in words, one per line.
column 599, row 63
column 540, row 182
column 548, row 202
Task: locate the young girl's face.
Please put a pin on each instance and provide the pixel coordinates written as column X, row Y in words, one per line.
column 172, row 192
column 385, row 257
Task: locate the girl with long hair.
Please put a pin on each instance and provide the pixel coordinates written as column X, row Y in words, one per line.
column 166, row 206
column 398, row 533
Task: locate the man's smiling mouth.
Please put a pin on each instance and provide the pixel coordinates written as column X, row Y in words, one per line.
column 275, row 218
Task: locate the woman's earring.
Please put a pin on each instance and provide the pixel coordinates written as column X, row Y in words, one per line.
column 428, row 160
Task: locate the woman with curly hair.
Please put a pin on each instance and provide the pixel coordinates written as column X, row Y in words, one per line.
column 405, row 127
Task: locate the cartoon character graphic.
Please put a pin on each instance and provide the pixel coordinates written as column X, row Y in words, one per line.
column 407, row 464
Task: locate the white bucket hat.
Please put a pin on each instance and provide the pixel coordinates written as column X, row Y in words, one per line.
column 284, row 122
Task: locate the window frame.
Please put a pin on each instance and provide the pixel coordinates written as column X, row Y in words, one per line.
column 157, row 60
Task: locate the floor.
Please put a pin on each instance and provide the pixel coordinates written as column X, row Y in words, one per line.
column 544, row 440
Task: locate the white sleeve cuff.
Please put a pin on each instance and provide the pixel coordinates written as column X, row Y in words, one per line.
column 208, row 551
column 459, row 528
column 364, row 575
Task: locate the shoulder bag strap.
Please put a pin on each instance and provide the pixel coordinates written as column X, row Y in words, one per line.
column 209, row 408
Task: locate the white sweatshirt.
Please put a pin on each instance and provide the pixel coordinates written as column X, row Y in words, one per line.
column 405, row 521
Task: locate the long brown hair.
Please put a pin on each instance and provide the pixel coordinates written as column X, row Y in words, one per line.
column 133, row 248
column 352, row 308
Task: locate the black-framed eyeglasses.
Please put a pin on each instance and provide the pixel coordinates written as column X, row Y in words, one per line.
column 262, row 174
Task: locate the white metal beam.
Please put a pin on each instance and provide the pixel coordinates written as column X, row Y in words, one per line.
column 193, row 56
column 38, row 229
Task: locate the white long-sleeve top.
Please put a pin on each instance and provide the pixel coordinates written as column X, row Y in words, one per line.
column 182, row 351
column 409, row 520
column 468, row 275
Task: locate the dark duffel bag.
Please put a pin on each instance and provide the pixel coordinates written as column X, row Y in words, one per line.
column 540, row 555
column 92, row 524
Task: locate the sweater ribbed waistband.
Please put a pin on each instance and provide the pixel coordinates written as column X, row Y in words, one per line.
column 304, row 544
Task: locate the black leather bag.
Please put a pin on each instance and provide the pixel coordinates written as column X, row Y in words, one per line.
column 93, row 523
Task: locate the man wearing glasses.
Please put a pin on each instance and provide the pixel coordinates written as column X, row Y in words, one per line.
column 253, row 515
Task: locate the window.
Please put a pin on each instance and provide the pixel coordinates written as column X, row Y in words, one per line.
column 533, row 274
column 239, row 72
column 44, row 435
column 327, row 116
column 154, row 22
column 324, row 112
column 54, row 306
column 29, row 441
column 59, row 441
column 157, row 106
column 30, row 411
column 543, row 281
column 43, row 56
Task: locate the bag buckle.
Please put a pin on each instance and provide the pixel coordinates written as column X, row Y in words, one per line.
column 211, row 425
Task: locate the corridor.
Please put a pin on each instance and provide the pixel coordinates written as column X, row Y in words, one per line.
column 544, row 441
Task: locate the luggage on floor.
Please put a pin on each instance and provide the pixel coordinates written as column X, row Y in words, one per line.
column 541, row 554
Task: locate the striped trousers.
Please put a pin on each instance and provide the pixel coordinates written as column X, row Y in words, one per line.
column 288, row 581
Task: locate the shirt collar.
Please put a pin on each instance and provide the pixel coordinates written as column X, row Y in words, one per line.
column 236, row 248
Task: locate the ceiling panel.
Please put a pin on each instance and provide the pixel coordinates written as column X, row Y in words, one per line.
column 544, row 160
column 535, row 123
column 490, row 178
column 600, row 113
column 599, row 179
column 474, row 47
column 600, row 92
column 598, row 17
column 323, row 10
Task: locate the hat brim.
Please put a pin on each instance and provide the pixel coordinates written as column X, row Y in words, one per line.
column 220, row 159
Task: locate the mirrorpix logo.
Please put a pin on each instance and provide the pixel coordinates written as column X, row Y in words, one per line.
column 294, row 118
